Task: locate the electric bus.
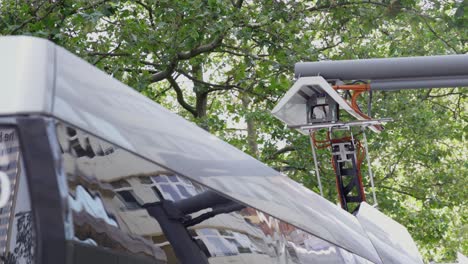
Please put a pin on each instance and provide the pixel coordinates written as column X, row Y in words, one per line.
column 91, row 171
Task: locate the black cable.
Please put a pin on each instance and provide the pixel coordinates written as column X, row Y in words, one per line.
column 347, row 94
column 358, row 81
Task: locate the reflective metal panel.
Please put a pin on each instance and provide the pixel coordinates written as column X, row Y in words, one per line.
column 17, row 234
column 27, row 75
column 251, row 236
column 104, row 207
column 391, row 240
column 122, row 202
column 92, row 100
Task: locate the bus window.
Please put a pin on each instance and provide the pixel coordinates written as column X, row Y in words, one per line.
column 105, row 194
column 16, row 220
column 131, row 206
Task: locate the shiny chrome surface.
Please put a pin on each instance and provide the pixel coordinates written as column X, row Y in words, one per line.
column 99, row 213
column 17, row 234
column 26, row 75
column 61, row 85
column 391, row 240
column 108, row 186
column 111, row 110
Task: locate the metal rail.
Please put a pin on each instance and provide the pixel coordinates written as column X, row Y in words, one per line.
column 344, row 125
column 394, row 73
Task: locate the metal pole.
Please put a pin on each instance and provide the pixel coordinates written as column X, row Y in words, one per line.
column 315, row 162
column 387, row 68
column 369, row 165
column 391, row 74
column 419, row 83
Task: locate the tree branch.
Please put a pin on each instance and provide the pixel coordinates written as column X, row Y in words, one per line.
column 150, row 13
column 281, row 151
column 180, row 96
column 238, row 3
column 447, row 94
column 186, row 56
column 402, row 192
column 37, row 19
column 51, row 9
column 216, row 87
column 93, row 5
column 161, row 75
column 161, row 92
column 437, row 35
column 108, row 54
column 344, row 4
column 394, row 166
column 289, row 168
column 132, row 70
column 201, row 49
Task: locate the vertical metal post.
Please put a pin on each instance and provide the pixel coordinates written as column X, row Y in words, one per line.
column 369, row 165
column 354, row 145
column 315, row 162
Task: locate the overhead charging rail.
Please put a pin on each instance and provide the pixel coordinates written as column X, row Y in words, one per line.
column 324, row 88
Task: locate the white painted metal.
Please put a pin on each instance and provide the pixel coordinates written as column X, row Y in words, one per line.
column 316, row 163
column 292, row 109
column 26, row 75
column 344, row 125
column 369, row 167
column 392, row 241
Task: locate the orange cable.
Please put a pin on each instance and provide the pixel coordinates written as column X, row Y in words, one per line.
column 321, row 144
column 353, row 87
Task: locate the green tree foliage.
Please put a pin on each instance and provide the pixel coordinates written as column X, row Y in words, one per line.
column 225, row 63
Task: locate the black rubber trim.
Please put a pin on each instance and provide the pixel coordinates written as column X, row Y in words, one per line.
column 46, row 201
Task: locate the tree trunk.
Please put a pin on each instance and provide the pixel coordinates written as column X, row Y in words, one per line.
column 201, row 96
column 251, row 129
column 201, row 108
